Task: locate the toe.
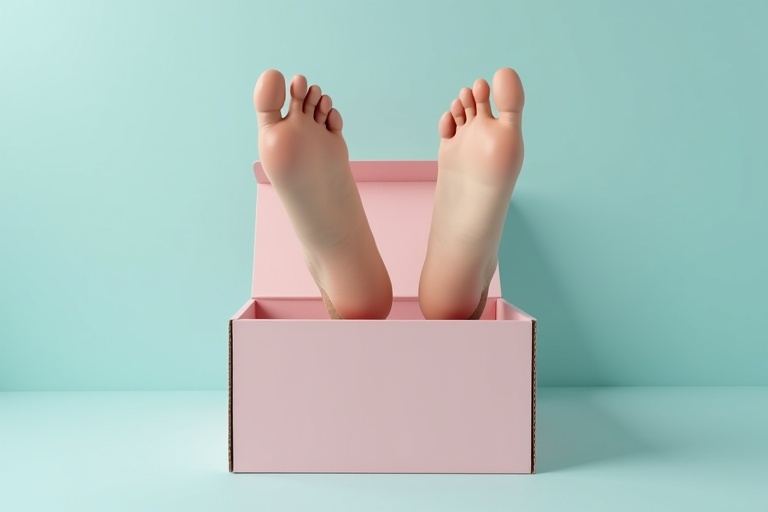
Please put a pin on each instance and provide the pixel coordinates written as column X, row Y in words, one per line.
column 298, row 92
column 468, row 100
column 323, row 108
column 447, row 126
column 269, row 96
column 457, row 110
column 481, row 91
column 334, row 123
column 508, row 95
column 313, row 96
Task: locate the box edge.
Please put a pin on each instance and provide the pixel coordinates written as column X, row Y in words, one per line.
column 533, row 395
column 229, row 430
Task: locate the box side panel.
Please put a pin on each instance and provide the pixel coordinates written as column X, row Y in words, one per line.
column 293, row 309
column 382, row 397
column 507, row 311
column 246, row 311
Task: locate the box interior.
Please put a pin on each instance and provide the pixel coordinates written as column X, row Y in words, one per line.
column 398, row 198
column 314, row 309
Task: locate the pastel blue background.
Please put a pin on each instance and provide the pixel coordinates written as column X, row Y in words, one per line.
column 637, row 235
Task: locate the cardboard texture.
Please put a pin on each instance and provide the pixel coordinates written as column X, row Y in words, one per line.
column 403, row 395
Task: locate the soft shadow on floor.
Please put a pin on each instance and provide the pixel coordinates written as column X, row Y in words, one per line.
column 574, row 429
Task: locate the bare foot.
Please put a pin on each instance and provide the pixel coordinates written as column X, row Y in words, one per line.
column 306, row 159
column 478, row 164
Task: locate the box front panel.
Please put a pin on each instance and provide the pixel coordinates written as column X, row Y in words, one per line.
column 382, row 396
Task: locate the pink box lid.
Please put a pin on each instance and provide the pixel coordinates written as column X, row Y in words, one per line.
column 397, row 197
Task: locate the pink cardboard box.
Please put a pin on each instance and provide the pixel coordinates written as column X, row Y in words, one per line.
column 309, row 394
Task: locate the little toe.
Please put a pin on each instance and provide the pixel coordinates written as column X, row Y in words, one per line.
column 457, row 110
column 323, row 108
column 269, row 97
column 298, row 92
column 447, row 126
column 334, row 122
column 482, row 91
column 508, row 95
column 313, row 96
column 468, row 100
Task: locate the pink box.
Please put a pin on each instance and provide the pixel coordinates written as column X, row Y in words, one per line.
column 308, row 394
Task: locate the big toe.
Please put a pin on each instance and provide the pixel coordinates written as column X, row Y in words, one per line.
column 269, row 97
column 508, row 95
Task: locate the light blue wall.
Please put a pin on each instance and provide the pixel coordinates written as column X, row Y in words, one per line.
column 638, row 234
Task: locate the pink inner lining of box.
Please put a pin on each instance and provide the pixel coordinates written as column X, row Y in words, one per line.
column 398, row 198
column 314, row 309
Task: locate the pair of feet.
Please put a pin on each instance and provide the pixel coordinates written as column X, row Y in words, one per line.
column 307, row 161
